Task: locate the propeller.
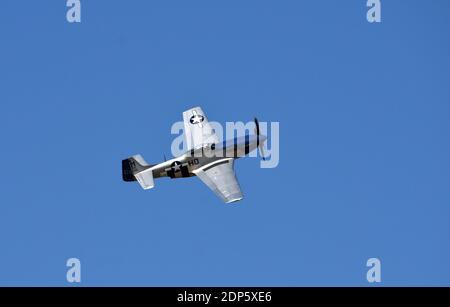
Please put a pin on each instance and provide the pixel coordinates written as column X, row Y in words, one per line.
column 258, row 144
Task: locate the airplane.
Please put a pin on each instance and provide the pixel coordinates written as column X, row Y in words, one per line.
column 207, row 158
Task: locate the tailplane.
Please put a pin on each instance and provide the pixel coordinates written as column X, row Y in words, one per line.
column 136, row 169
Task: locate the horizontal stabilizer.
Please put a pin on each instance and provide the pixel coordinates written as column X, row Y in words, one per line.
column 132, row 166
column 145, row 179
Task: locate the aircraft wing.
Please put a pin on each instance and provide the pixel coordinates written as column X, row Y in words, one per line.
column 197, row 129
column 220, row 178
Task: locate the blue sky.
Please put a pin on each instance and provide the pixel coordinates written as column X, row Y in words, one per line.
column 364, row 167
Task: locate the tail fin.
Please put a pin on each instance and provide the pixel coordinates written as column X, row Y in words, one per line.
column 132, row 166
column 135, row 169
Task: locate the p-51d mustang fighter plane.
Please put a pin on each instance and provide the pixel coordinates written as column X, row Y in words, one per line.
column 207, row 158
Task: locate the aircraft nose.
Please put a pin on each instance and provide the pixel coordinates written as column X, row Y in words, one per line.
column 262, row 138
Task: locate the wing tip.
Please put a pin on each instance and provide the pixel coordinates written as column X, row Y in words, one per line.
column 234, row 200
column 195, row 108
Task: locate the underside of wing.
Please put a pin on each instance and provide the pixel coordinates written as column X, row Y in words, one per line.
column 197, row 129
column 220, row 177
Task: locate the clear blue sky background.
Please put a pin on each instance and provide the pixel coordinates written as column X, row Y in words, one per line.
column 364, row 114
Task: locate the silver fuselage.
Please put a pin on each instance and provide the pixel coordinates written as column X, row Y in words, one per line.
column 186, row 164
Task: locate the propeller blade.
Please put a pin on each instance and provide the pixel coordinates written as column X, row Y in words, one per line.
column 261, row 152
column 257, row 131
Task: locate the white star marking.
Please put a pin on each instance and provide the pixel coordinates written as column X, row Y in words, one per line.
column 196, row 119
